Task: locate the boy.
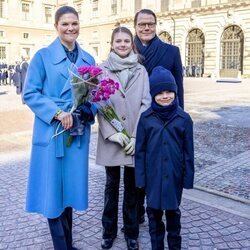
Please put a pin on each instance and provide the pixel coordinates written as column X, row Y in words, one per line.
column 164, row 158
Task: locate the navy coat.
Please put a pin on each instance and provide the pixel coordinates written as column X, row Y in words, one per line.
column 158, row 53
column 164, row 158
column 17, row 79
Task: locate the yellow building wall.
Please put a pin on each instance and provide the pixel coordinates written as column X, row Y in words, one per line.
column 211, row 17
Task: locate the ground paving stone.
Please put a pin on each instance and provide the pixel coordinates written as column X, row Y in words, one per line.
column 222, row 160
column 30, row 231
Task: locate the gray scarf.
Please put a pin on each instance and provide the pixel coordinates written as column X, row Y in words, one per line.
column 122, row 67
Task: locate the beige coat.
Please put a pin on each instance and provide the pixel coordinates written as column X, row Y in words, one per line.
column 128, row 103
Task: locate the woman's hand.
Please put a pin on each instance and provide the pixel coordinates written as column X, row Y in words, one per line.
column 66, row 119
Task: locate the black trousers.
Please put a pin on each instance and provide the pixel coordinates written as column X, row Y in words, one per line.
column 111, row 199
column 157, row 228
column 61, row 230
column 140, row 202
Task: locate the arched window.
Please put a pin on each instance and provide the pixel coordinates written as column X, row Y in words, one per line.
column 165, row 37
column 232, row 43
column 195, row 53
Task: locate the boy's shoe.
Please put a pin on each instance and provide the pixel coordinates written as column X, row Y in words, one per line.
column 107, row 243
column 132, row 244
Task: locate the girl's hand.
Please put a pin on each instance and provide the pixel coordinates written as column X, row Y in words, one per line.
column 66, row 119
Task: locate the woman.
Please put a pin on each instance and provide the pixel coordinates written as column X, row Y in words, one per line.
column 115, row 149
column 58, row 178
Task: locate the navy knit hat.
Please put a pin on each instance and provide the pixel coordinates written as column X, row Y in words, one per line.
column 160, row 80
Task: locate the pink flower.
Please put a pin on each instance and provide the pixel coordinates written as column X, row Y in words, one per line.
column 83, row 70
column 93, row 70
column 117, row 86
column 106, row 95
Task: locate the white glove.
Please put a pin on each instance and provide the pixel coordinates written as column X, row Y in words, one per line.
column 119, row 138
column 130, row 148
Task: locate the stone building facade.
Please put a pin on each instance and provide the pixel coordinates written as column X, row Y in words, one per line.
column 213, row 35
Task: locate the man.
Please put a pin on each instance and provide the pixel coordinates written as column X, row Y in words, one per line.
column 23, row 70
column 155, row 53
column 17, row 77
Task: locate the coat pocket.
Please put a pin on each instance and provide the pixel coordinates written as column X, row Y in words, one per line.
column 42, row 133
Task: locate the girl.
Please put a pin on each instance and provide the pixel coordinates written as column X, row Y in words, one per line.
column 115, row 149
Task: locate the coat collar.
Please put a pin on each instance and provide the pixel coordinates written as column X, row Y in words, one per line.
column 150, row 111
column 60, row 59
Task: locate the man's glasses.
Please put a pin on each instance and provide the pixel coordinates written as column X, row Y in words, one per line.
column 143, row 25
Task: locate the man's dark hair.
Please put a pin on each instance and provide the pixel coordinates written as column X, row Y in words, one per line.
column 144, row 11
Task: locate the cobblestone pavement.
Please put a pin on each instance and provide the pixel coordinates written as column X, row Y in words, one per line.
column 203, row 227
column 221, row 114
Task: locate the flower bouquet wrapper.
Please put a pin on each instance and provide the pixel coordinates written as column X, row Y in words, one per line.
column 109, row 114
column 79, row 88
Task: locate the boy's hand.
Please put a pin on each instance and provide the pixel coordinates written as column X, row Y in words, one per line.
column 130, row 148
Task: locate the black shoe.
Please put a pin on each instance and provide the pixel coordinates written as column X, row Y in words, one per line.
column 141, row 219
column 107, row 243
column 132, row 244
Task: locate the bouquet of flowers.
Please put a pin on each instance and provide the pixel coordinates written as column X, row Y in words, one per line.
column 83, row 80
column 87, row 85
column 101, row 97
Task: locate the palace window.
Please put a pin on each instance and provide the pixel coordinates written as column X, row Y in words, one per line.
column 26, row 35
column 2, row 6
column 195, row 3
column 195, row 44
column 79, row 8
column 2, row 52
column 137, row 5
column 232, row 48
column 48, row 14
column 113, row 7
column 165, row 37
column 26, row 52
column 164, row 5
column 26, row 11
column 94, row 8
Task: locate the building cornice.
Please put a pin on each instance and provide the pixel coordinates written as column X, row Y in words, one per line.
column 190, row 11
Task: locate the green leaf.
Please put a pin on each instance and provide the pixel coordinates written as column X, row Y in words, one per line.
column 69, row 141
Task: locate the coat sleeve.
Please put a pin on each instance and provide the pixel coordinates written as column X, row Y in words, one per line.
column 178, row 75
column 188, row 154
column 42, row 106
column 140, row 155
column 146, row 99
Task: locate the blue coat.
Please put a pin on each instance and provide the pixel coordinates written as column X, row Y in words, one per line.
column 58, row 176
column 164, row 158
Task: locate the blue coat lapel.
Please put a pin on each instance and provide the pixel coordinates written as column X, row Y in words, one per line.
column 60, row 60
